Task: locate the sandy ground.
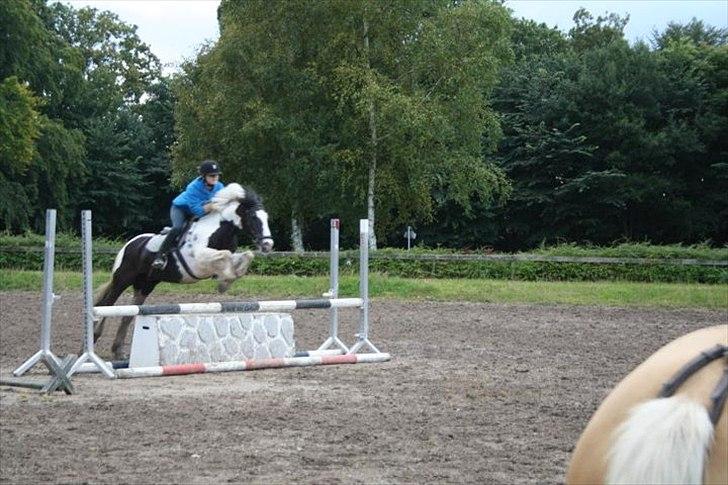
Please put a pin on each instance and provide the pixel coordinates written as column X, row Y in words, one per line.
column 475, row 393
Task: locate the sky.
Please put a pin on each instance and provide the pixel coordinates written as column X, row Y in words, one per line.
column 175, row 29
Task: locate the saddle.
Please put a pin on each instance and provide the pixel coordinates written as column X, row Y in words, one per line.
column 719, row 394
column 178, row 242
column 179, row 238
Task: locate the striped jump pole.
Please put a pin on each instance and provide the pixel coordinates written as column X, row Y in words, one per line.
column 90, row 368
column 226, row 307
column 247, row 365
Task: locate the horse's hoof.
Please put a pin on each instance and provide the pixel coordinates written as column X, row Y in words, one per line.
column 223, row 286
column 243, row 263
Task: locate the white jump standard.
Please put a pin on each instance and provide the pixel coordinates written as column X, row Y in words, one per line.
column 58, row 368
column 88, row 344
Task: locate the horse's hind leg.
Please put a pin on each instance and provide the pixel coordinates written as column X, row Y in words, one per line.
column 106, row 296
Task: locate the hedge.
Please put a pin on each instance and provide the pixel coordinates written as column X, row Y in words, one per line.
column 389, row 262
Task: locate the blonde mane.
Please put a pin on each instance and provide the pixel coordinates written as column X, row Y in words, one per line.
column 231, row 193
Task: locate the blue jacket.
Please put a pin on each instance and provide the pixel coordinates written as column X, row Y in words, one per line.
column 195, row 196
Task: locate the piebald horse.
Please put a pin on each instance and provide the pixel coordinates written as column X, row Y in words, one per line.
column 206, row 250
column 665, row 422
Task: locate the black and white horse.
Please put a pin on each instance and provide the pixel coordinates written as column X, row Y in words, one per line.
column 206, row 250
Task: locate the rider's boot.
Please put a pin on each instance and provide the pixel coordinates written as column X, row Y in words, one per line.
column 160, row 262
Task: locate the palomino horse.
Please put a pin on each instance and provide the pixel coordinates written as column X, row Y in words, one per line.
column 665, row 422
column 206, row 250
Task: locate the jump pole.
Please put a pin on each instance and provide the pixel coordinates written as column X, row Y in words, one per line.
column 90, row 368
column 88, row 305
column 247, row 365
column 251, row 306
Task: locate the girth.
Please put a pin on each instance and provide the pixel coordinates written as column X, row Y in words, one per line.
column 719, row 394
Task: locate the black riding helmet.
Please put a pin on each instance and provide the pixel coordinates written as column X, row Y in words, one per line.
column 209, row 167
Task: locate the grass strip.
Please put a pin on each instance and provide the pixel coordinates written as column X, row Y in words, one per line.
column 606, row 293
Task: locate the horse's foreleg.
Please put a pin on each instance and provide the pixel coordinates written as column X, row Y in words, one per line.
column 117, row 346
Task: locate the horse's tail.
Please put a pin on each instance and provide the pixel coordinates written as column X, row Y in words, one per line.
column 102, row 294
column 663, row 441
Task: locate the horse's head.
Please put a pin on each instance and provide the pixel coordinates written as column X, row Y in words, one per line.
column 248, row 214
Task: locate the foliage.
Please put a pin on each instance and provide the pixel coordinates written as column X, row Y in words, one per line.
column 19, row 125
column 288, row 102
column 607, row 142
column 22, row 253
column 77, row 119
column 323, row 105
column 694, row 31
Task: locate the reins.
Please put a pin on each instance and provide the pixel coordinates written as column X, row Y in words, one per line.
column 720, row 392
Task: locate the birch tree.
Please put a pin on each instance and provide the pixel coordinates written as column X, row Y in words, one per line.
column 367, row 108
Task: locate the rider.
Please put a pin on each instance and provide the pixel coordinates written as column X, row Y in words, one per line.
column 193, row 202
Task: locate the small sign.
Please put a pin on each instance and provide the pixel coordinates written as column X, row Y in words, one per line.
column 410, row 235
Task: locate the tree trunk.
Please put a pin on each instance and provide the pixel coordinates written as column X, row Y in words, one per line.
column 296, row 235
column 373, row 160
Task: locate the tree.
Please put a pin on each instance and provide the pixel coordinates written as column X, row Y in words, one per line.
column 589, row 33
column 20, row 126
column 33, row 83
column 530, row 38
column 356, row 100
column 695, row 31
column 604, row 141
column 72, row 87
column 117, row 69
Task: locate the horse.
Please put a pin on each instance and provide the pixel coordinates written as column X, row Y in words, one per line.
column 665, row 422
column 205, row 250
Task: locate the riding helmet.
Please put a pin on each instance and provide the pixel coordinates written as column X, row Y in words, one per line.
column 209, row 167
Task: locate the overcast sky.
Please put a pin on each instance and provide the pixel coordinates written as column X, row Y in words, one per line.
column 175, row 29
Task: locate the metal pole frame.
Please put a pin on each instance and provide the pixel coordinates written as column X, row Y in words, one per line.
column 334, row 289
column 88, row 304
column 363, row 335
column 45, row 355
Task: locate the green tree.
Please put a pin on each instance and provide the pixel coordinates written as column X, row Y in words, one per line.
column 360, row 105
column 117, row 69
column 589, row 33
column 84, row 73
column 20, row 126
column 36, row 67
column 695, row 31
column 604, row 141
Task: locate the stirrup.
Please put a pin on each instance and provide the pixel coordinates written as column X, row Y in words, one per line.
column 160, row 262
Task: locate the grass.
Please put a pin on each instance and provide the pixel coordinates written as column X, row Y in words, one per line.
column 608, row 293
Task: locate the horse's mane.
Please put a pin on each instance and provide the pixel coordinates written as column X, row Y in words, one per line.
column 230, row 193
column 235, row 192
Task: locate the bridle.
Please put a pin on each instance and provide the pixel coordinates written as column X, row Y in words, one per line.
column 720, row 392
